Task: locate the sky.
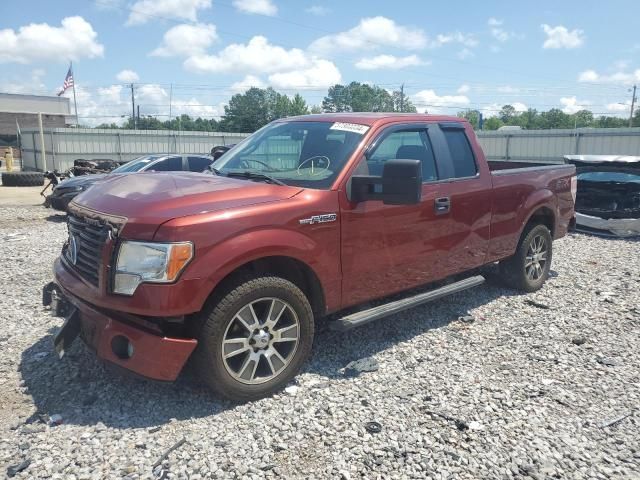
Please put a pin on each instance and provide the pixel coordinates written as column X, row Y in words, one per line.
column 191, row 56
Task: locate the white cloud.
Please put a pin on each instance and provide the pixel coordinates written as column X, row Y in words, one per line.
column 73, row 40
column 369, row 34
column 144, row 11
column 519, row 106
column 320, row 74
column 246, row 83
column 127, row 76
column 619, row 107
column 32, row 84
column 621, row 77
column 388, row 62
column 430, row 101
column 113, row 104
column 466, row 39
column 561, row 37
column 465, row 53
column 493, row 109
column 318, row 10
column 572, row 105
column 258, row 7
column 186, row 40
column 463, row 89
column 497, row 31
column 257, row 56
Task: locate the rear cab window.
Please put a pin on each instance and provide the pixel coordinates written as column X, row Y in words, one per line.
column 462, row 158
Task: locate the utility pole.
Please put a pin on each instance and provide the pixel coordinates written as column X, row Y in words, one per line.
column 633, row 103
column 138, row 116
column 402, row 97
column 133, row 109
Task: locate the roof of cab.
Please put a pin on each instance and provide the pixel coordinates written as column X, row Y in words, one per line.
column 372, row 118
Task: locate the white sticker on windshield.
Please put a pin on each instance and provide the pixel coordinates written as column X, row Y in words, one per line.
column 350, row 127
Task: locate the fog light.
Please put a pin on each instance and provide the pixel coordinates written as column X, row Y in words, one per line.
column 122, row 347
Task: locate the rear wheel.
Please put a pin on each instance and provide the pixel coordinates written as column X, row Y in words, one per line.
column 528, row 268
column 255, row 339
column 22, row 179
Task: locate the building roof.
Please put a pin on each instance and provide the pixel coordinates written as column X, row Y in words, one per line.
column 45, row 104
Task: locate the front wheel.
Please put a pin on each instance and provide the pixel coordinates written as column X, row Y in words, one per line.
column 255, row 339
column 528, row 268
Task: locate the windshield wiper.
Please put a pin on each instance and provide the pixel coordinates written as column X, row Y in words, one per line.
column 251, row 175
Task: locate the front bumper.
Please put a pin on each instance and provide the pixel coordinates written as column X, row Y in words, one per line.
column 619, row 227
column 152, row 355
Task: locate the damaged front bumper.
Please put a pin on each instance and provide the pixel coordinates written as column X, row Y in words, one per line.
column 619, row 227
column 116, row 340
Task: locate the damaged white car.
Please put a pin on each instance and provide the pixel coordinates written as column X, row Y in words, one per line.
column 608, row 197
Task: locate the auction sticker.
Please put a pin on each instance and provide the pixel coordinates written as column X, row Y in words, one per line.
column 350, row 127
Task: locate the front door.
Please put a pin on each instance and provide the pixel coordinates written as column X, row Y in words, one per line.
column 389, row 248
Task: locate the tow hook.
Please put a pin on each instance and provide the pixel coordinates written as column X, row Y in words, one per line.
column 51, row 297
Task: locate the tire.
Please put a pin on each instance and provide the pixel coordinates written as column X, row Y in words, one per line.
column 22, row 179
column 253, row 369
column 517, row 272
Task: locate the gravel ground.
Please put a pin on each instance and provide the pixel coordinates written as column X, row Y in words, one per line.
column 524, row 389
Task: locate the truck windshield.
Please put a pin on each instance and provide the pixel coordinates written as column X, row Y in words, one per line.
column 305, row 154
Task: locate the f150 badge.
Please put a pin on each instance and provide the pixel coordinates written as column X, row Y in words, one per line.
column 325, row 218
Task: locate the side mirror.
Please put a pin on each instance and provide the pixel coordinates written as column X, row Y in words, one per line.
column 400, row 184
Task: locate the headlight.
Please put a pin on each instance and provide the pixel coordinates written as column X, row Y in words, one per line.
column 140, row 262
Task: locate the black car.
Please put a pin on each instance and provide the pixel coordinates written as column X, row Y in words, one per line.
column 608, row 194
column 64, row 192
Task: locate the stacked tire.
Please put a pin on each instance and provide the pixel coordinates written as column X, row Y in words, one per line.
column 22, row 179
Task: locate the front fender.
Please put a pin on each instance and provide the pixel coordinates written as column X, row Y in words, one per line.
column 320, row 252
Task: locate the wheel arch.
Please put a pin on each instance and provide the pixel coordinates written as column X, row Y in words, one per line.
column 290, row 268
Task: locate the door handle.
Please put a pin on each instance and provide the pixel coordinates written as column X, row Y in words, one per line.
column 442, row 205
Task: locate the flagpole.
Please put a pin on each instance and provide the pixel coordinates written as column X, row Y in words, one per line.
column 75, row 102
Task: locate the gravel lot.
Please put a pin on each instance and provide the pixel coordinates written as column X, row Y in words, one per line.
column 523, row 390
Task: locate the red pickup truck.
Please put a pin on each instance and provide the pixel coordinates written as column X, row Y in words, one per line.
column 306, row 217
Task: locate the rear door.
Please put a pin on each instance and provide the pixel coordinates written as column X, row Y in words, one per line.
column 465, row 185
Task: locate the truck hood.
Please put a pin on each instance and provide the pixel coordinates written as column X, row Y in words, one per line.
column 147, row 200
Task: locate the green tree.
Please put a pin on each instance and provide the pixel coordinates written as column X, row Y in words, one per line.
column 298, row 105
column 583, row 118
column 507, row 114
column 358, row 97
column 402, row 103
column 249, row 111
column 473, row 116
column 316, row 109
column 492, row 123
column 556, row 118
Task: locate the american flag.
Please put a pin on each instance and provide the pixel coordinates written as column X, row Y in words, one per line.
column 68, row 82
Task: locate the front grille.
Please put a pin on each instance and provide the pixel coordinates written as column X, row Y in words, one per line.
column 89, row 237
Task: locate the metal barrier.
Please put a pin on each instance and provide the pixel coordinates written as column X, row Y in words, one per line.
column 64, row 145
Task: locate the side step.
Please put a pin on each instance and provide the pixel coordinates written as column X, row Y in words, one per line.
column 365, row 316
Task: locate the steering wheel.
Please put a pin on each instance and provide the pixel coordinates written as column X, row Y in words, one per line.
column 322, row 161
column 259, row 162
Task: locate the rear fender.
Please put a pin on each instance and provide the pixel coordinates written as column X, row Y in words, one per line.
column 543, row 198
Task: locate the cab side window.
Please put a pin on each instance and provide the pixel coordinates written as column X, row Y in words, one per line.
column 198, row 164
column 171, row 164
column 464, row 163
column 408, row 145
